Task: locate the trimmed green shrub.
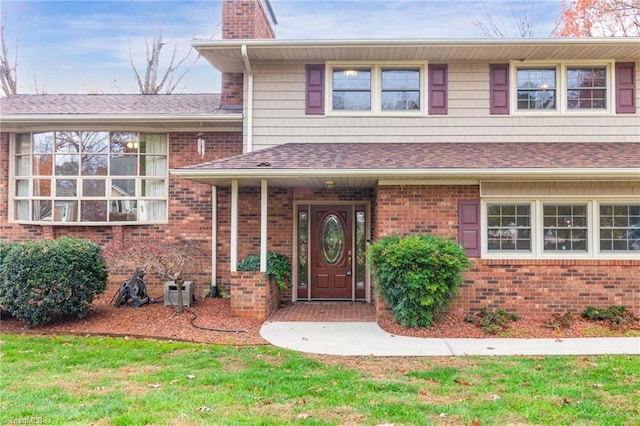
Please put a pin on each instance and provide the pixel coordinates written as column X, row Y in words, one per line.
column 277, row 266
column 417, row 275
column 40, row 279
column 616, row 315
column 493, row 321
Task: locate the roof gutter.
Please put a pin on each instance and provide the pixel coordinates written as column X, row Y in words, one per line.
column 249, row 72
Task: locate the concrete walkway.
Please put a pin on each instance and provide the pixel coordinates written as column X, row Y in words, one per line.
column 368, row 339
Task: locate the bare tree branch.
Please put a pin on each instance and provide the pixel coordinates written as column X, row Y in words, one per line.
column 8, row 70
column 171, row 77
column 523, row 20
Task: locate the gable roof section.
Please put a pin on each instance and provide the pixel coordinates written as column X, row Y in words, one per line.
column 227, row 55
column 363, row 164
column 181, row 111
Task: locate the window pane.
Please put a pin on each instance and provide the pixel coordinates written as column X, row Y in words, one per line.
column 352, row 89
column 394, row 101
column 67, row 142
column 361, row 249
column 153, row 165
column 536, row 89
column 619, row 227
column 123, row 188
column 43, row 143
column 42, row 210
column 94, row 165
column 66, row 188
column 65, row 211
column 23, row 163
column 22, row 210
column 508, row 227
column 303, row 242
column 124, row 142
column 586, row 88
column 122, row 165
column 123, row 211
column 95, row 142
column 42, row 187
column 43, row 165
column 22, row 188
column 94, row 188
column 94, row 211
column 153, row 143
column 23, row 143
column 67, row 164
column 153, row 210
column 565, row 227
column 153, row 188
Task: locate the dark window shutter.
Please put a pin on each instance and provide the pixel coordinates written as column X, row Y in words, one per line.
column 469, row 226
column 438, row 79
column 499, row 87
column 315, row 89
column 625, row 87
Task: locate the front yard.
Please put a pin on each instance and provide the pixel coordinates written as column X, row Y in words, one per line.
column 123, row 381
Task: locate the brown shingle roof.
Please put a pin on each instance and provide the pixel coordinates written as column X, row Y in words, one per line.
column 130, row 104
column 429, row 156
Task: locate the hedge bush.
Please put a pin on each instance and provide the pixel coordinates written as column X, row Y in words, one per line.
column 40, row 279
column 277, row 266
column 417, row 275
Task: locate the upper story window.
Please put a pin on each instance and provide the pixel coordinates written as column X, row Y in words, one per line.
column 377, row 88
column 400, row 89
column 536, row 88
column 586, row 88
column 563, row 87
column 90, row 177
column 352, row 89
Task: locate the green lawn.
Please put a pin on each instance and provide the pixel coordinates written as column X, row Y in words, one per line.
column 104, row 381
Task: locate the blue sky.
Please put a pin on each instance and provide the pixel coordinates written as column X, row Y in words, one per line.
column 83, row 46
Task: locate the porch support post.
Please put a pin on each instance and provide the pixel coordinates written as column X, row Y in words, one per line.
column 264, row 195
column 234, row 226
column 214, row 236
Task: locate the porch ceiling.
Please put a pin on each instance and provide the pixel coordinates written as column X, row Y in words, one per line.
column 226, row 55
column 367, row 164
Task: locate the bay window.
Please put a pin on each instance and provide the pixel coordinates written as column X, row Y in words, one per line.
column 90, row 177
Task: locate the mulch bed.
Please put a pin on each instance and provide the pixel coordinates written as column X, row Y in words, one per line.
column 161, row 322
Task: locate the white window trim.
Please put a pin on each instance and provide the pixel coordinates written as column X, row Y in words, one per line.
column 30, row 197
column 537, row 239
column 376, row 87
column 561, row 87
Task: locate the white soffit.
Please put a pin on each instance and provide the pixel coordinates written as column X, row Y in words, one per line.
column 226, row 55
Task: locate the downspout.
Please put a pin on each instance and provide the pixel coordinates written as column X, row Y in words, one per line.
column 249, row 72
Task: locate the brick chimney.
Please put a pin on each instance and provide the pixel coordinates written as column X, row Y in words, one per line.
column 242, row 19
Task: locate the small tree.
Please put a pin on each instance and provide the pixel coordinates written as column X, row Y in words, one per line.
column 417, row 275
column 168, row 260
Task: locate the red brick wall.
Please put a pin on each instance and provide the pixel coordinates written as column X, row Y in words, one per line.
column 527, row 287
column 245, row 19
column 242, row 19
column 189, row 209
column 253, row 296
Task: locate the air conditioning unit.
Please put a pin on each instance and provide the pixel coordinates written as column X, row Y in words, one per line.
column 171, row 293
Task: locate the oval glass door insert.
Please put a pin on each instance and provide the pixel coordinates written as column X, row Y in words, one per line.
column 332, row 239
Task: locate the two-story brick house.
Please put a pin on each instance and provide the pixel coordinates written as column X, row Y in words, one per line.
column 526, row 151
